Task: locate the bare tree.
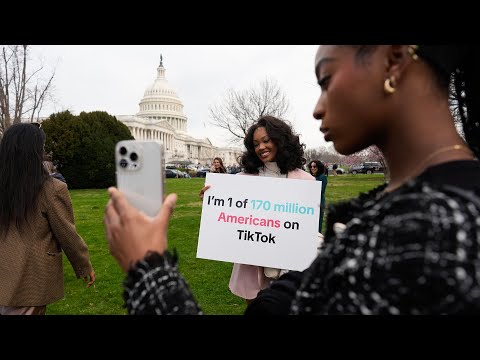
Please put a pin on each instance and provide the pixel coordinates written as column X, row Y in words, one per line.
column 312, row 154
column 239, row 110
column 325, row 154
column 22, row 92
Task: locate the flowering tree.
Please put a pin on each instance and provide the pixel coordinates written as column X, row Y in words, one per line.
column 330, row 156
column 353, row 159
column 375, row 154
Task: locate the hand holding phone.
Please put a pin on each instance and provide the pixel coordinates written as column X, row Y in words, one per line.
column 130, row 233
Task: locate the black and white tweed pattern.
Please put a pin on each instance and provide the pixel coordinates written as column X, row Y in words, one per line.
column 415, row 251
column 155, row 287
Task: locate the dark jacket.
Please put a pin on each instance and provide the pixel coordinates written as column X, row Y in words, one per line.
column 413, row 251
column 324, row 179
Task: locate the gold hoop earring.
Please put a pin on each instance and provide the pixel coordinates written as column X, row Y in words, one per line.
column 389, row 85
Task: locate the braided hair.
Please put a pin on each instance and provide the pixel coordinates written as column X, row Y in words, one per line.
column 457, row 73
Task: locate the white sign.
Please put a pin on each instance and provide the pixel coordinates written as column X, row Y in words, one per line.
column 264, row 221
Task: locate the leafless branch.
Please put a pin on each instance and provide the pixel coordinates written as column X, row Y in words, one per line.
column 240, row 109
column 23, row 92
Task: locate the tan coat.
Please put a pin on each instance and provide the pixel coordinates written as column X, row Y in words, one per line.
column 31, row 270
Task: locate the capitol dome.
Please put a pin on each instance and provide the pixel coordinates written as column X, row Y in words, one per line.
column 161, row 102
column 161, row 119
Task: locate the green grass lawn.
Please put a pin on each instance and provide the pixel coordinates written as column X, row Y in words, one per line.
column 208, row 279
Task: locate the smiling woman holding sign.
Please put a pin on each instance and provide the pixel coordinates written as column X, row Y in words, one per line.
column 410, row 246
column 272, row 150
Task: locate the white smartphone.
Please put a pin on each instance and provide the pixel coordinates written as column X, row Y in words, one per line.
column 140, row 174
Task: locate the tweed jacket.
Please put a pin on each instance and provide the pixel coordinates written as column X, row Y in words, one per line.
column 412, row 251
column 31, row 269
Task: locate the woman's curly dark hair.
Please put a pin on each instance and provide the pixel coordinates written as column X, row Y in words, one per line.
column 321, row 169
column 289, row 149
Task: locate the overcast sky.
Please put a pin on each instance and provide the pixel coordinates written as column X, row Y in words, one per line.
column 113, row 78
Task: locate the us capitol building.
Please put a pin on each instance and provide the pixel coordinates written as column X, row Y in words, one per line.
column 161, row 119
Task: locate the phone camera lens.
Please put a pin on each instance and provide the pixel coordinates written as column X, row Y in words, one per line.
column 133, row 156
column 123, row 150
column 123, row 163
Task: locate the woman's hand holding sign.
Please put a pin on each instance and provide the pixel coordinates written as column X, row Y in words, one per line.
column 202, row 192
